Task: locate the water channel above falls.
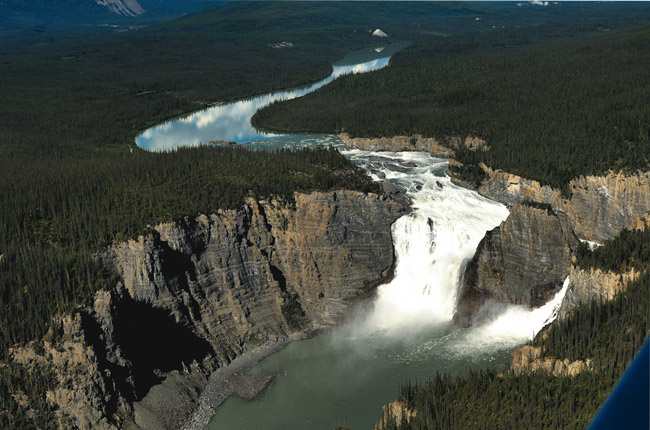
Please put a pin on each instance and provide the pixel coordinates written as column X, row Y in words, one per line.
column 405, row 332
column 231, row 121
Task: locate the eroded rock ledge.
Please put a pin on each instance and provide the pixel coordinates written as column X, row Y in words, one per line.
column 598, row 209
column 599, row 206
column 415, row 142
column 585, row 285
column 198, row 293
column 393, row 414
column 528, row 359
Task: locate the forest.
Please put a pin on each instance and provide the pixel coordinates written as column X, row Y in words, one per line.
column 552, row 103
column 71, row 177
column 72, row 180
column 609, row 333
column 72, row 103
column 629, row 250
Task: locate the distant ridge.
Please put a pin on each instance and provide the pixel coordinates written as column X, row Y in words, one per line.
column 123, row 7
column 62, row 14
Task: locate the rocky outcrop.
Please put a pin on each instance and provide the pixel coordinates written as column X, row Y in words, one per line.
column 399, row 143
column 588, row 284
column 585, row 285
column 200, row 292
column 523, row 261
column 528, row 359
column 394, row 413
column 599, row 206
column 639, row 224
column 598, row 209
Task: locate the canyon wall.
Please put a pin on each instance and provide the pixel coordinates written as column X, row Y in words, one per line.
column 585, row 285
column 528, row 359
column 523, row 261
column 200, row 292
column 599, row 206
column 399, row 143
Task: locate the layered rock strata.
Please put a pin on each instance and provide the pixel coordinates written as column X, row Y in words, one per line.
column 399, row 143
column 585, row 285
column 523, row 261
column 200, row 292
column 599, row 206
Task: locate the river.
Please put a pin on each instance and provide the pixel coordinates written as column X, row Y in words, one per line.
column 405, row 331
column 232, row 121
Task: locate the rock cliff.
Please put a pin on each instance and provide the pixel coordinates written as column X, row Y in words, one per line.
column 528, row 359
column 599, row 206
column 585, row 285
column 394, row 413
column 399, row 143
column 523, row 261
column 199, row 292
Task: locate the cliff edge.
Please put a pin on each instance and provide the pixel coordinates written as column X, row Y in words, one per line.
column 598, row 208
column 197, row 293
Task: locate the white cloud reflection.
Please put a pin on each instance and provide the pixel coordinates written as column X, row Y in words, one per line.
column 231, row 121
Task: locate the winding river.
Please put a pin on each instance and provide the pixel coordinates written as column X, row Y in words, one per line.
column 405, row 332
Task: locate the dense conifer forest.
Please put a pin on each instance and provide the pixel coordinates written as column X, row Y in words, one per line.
column 552, row 103
column 609, row 333
column 51, row 239
column 72, row 180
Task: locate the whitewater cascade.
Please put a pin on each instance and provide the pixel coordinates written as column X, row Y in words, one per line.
column 433, row 244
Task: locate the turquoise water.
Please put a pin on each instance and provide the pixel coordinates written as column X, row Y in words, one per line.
column 347, row 377
column 403, row 333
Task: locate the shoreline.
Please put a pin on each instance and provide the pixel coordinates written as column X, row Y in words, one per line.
column 227, row 381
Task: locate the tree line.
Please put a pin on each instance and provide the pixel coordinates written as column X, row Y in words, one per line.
column 71, row 180
column 630, row 249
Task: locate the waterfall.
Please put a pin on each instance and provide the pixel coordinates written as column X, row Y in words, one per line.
column 515, row 324
column 433, row 244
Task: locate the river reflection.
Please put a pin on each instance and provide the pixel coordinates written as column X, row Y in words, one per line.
column 231, row 121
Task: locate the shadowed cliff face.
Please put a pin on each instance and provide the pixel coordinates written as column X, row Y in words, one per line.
column 523, row 261
column 199, row 292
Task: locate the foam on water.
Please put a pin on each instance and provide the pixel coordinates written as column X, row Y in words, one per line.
column 433, row 244
column 512, row 326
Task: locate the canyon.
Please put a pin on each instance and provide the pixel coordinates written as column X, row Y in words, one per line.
column 198, row 293
column 526, row 259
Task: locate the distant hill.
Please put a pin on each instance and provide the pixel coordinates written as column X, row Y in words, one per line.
column 61, row 14
column 123, row 7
